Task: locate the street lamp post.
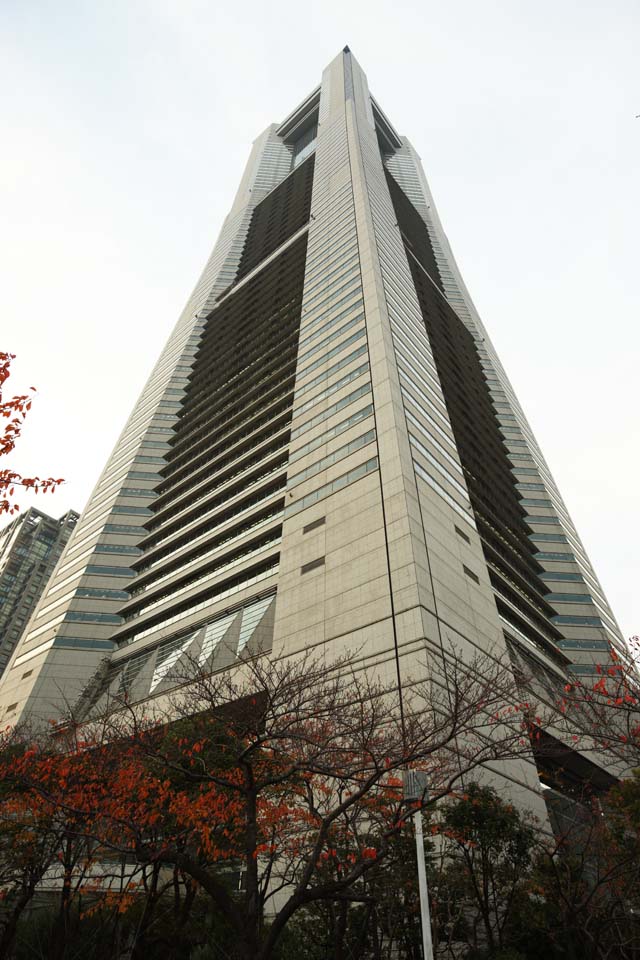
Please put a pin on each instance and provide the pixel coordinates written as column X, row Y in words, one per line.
column 414, row 787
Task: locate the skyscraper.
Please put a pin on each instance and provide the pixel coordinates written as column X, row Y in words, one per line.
column 327, row 454
column 30, row 547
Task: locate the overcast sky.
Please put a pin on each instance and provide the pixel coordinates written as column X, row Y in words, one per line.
column 125, row 128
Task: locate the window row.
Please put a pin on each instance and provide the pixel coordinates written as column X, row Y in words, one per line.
column 358, row 335
column 322, row 377
column 222, row 594
column 332, row 388
column 217, row 571
column 329, row 488
column 332, row 432
column 422, row 473
column 332, row 458
column 415, row 443
column 332, row 336
column 329, row 412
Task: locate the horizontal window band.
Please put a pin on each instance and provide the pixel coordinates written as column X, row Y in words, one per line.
column 330, row 488
column 209, row 601
column 329, row 412
column 332, row 458
column 332, row 353
column 85, row 616
column 323, row 377
column 577, row 620
column 332, row 388
column 332, row 432
column 338, row 333
column 422, row 473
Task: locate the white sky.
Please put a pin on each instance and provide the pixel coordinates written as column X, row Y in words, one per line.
column 125, row 128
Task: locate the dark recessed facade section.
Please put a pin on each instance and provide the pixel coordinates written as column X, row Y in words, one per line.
column 247, row 339
column 414, row 230
column 312, row 565
column 220, row 500
column 243, row 376
column 504, row 533
column 276, row 218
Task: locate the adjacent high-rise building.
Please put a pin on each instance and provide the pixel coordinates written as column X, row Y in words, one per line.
column 30, row 547
column 328, row 453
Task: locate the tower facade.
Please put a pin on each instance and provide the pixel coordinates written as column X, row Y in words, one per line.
column 30, row 547
column 328, row 454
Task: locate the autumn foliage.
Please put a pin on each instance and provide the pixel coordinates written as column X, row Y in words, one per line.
column 267, row 790
column 14, row 411
column 262, row 810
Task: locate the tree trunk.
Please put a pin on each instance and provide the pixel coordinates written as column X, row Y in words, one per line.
column 140, row 942
column 7, row 939
column 60, row 931
column 340, row 929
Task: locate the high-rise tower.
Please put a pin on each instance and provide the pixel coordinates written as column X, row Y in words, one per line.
column 30, row 547
column 328, row 453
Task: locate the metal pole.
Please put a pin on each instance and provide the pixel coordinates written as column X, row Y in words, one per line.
column 425, row 917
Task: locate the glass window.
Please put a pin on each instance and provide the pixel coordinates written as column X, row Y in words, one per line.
column 102, row 594
column 583, row 644
column 323, row 377
column 421, row 449
column 360, row 471
column 542, row 537
column 568, row 598
column 443, row 493
column 578, row 621
column 333, row 388
column 340, row 316
column 203, row 604
column 559, row 575
column 320, row 417
column 104, row 571
column 332, row 458
column 333, row 336
column 564, row 557
column 124, row 528
column 333, row 353
column 83, row 616
column 332, row 432
column 116, row 548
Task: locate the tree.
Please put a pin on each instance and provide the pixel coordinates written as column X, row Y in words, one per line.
column 487, row 852
column 45, row 842
column 602, row 714
column 14, row 411
column 276, row 786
